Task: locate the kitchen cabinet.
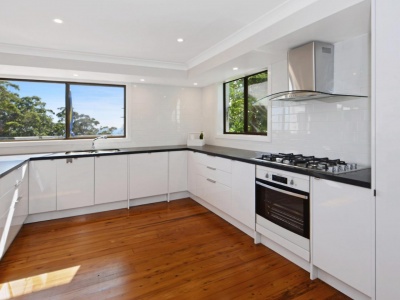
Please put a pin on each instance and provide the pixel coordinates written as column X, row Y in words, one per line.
column 75, row 182
column 243, row 193
column 21, row 204
column 191, row 173
column 214, row 180
column 177, row 171
column 42, row 186
column 342, row 232
column 13, row 205
column 386, row 114
column 148, row 174
column 111, row 178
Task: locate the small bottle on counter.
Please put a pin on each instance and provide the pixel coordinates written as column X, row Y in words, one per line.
column 201, row 135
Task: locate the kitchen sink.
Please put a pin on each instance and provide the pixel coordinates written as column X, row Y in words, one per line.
column 83, row 152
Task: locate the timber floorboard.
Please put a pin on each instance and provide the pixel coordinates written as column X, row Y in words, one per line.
column 175, row 250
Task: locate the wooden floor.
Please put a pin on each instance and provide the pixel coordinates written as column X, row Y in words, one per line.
column 176, row 250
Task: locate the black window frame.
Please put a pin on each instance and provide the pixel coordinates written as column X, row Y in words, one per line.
column 68, row 109
column 246, row 106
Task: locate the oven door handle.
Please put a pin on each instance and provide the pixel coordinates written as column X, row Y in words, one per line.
column 282, row 191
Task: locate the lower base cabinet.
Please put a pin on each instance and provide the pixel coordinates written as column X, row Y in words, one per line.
column 213, row 192
column 111, row 178
column 243, row 206
column 148, row 174
column 13, row 205
column 342, row 232
column 75, row 182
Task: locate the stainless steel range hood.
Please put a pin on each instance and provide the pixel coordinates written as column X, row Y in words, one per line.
column 311, row 73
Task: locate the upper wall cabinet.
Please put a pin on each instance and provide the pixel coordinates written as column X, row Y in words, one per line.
column 111, row 178
column 148, row 174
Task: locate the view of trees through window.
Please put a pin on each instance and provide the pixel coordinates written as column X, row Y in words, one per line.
column 245, row 109
column 32, row 110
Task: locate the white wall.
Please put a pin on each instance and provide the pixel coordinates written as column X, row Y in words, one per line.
column 339, row 129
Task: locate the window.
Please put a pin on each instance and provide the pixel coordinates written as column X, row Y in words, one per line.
column 245, row 109
column 43, row 110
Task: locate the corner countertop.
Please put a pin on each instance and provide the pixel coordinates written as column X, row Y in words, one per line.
column 361, row 178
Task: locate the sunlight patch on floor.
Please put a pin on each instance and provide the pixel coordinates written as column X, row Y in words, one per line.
column 37, row 283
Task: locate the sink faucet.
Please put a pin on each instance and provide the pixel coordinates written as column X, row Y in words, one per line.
column 95, row 139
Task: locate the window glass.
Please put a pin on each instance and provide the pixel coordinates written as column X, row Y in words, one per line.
column 31, row 110
column 257, row 107
column 97, row 110
column 42, row 110
column 234, row 101
column 246, row 109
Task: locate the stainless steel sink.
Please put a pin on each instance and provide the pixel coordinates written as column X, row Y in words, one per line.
column 83, row 152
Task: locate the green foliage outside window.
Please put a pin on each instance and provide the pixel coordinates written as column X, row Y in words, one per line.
column 245, row 110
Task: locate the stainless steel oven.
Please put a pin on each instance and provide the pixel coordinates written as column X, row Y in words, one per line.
column 283, row 208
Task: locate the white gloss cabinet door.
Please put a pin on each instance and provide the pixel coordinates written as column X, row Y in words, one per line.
column 21, row 206
column 75, row 182
column 178, row 175
column 215, row 193
column 148, row 174
column 42, row 186
column 111, row 178
column 243, row 193
column 342, row 232
column 191, row 173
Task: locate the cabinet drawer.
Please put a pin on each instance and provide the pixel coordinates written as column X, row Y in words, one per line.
column 214, row 193
column 215, row 174
column 216, row 162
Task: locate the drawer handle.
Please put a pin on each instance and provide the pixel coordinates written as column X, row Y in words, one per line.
column 18, row 183
column 210, row 180
column 211, row 168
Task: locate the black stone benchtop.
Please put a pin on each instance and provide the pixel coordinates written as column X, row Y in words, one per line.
column 360, row 178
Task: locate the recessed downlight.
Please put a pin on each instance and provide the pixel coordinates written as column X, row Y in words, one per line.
column 58, row 21
column 179, row 40
column 235, row 68
column 142, row 80
column 195, row 83
column 75, row 75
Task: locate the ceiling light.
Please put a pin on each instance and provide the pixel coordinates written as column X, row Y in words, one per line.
column 142, row 80
column 195, row 83
column 58, row 21
column 180, row 40
column 75, row 75
column 235, row 69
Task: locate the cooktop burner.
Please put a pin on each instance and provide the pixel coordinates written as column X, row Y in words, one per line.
column 310, row 162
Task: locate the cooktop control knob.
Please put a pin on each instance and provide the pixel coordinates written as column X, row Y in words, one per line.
column 291, row 182
column 267, row 175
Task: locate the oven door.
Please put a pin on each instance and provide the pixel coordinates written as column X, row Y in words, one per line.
column 284, row 206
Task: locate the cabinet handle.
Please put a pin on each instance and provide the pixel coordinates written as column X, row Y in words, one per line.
column 211, row 168
column 210, row 180
column 18, row 183
column 69, row 160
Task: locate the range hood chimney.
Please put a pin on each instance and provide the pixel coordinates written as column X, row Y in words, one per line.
column 310, row 72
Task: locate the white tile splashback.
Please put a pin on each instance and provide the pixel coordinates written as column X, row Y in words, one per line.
column 339, row 129
column 164, row 115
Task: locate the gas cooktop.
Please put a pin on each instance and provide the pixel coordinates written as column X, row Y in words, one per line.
column 323, row 164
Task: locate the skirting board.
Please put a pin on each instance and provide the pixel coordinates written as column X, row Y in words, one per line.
column 102, row 207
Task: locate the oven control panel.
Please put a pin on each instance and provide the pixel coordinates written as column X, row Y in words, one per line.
column 297, row 181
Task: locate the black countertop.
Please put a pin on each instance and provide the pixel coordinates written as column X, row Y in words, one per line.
column 360, row 178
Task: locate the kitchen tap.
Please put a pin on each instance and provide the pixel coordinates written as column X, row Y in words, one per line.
column 95, row 139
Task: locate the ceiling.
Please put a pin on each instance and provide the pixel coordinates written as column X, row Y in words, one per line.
column 128, row 40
